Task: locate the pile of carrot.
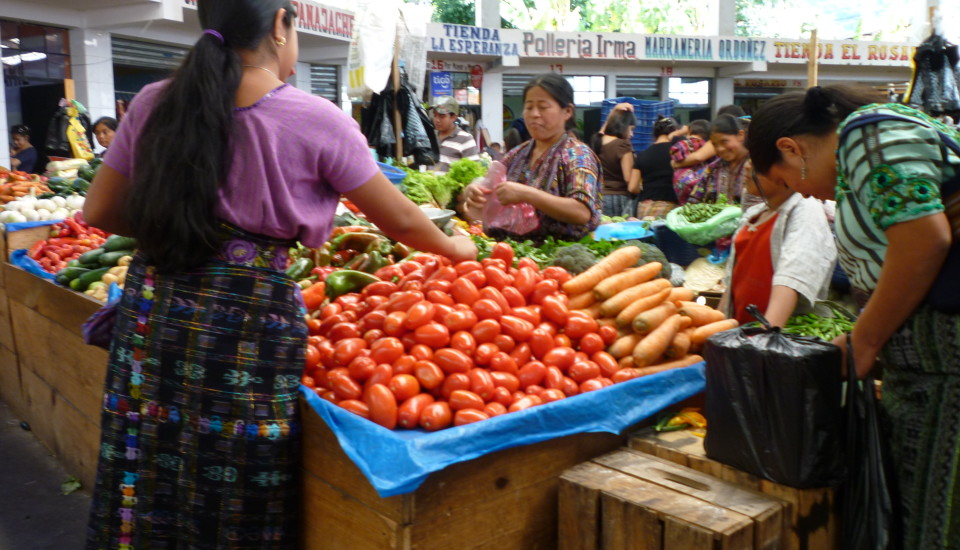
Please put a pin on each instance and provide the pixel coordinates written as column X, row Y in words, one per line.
column 14, row 185
column 660, row 326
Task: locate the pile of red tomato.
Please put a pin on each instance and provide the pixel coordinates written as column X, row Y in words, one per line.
column 442, row 344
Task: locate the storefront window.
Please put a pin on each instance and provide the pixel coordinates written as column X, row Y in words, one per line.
column 690, row 91
column 33, row 54
column 588, row 90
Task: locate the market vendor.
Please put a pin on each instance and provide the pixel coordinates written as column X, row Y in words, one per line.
column 105, row 128
column 455, row 143
column 557, row 174
column 891, row 171
column 23, row 156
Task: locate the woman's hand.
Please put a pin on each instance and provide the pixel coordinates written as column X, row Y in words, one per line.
column 623, row 107
column 474, row 199
column 463, row 249
column 14, row 163
column 511, row 192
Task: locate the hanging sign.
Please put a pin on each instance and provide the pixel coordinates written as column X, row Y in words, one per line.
column 441, row 84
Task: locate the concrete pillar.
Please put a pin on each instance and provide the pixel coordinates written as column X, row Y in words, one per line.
column 491, row 105
column 91, row 60
column 721, row 93
column 664, row 88
column 487, row 13
column 343, row 77
column 301, row 77
column 610, row 86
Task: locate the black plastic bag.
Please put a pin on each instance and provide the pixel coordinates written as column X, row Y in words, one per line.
column 868, row 509
column 57, row 143
column 773, row 401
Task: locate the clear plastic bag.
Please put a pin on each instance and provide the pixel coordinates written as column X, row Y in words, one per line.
column 518, row 219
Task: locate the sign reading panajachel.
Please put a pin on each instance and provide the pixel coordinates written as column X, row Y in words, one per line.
column 314, row 18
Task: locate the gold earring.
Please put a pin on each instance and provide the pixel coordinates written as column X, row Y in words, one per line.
column 281, row 41
column 803, row 169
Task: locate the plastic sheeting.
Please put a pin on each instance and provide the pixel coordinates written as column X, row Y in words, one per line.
column 20, row 259
column 398, row 461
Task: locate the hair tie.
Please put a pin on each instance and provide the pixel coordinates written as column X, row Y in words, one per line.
column 214, row 34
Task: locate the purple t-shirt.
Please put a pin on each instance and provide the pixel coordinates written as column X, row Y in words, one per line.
column 293, row 155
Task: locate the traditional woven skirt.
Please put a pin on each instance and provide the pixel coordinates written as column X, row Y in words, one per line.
column 654, row 209
column 200, row 443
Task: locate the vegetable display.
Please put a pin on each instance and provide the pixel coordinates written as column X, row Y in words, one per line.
column 700, row 212
column 93, row 271
column 68, row 240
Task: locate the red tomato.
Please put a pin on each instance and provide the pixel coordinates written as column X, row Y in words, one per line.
column 432, row 334
column 524, row 403
column 530, row 314
column 513, row 297
column 402, row 301
column 522, row 354
column 553, row 378
column 527, row 263
column 404, row 386
column 382, row 374
column 494, row 408
column 465, row 399
column 543, row 289
column 418, row 315
column 501, row 362
column 554, row 309
column 481, row 383
column 533, row 389
column 582, row 371
column 464, row 291
column 356, row 406
column 404, row 364
column 456, row 381
column 505, row 343
column 570, row 387
column 551, row 395
column 383, row 406
column 540, row 343
column 477, row 277
column 393, row 323
column 487, row 309
column 408, row 341
column 525, row 280
column 460, row 320
column 467, row 266
column 590, row 385
column 421, row 352
column 485, row 331
column 329, row 322
column 506, row 380
column 496, row 277
column 502, row 251
column 328, row 395
column 562, row 340
column 412, row 286
column 490, row 293
column 429, row 374
column 349, row 316
column 330, row 310
column 345, row 387
column 381, row 288
column 409, row 267
column 560, row 357
column 326, row 353
column 439, row 297
column 464, row 341
column 608, row 334
column 345, row 350
column 485, row 352
column 556, row 273
column 373, row 320
column 451, row 360
column 532, row 373
column 494, row 262
column 361, row 368
column 469, row 416
column 591, row 343
column 579, row 324
column 443, row 274
column 442, row 310
column 386, row 350
column 376, row 302
column 435, row 416
column 607, row 363
column 408, row 414
column 313, row 326
column 309, row 382
column 311, row 357
column 625, row 374
column 502, row 395
column 516, row 328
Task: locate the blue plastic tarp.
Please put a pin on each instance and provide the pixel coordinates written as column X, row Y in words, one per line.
column 20, row 259
column 622, row 231
column 398, row 461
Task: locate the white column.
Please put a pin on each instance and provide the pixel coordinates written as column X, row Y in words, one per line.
column 4, row 127
column 721, row 93
column 343, row 77
column 491, row 105
column 664, row 88
column 487, row 13
column 610, row 85
column 302, row 77
column 91, row 60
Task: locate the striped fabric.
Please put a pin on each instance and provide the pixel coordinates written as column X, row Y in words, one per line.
column 459, row 145
column 888, row 172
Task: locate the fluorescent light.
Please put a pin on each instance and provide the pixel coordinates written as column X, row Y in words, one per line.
column 23, row 58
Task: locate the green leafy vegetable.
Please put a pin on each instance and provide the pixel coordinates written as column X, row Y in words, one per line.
column 464, row 171
column 575, row 258
column 703, row 211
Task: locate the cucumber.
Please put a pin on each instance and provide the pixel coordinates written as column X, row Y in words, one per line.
column 110, row 259
column 67, row 274
column 83, row 282
column 87, row 173
column 91, row 256
column 80, row 185
column 118, row 242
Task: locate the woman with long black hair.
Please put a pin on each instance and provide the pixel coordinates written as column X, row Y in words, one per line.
column 217, row 172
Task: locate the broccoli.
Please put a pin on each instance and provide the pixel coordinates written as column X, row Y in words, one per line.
column 575, row 258
column 650, row 253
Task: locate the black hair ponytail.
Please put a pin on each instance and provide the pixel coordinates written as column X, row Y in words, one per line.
column 183, row 154
column 664, row 126
column 816, row 112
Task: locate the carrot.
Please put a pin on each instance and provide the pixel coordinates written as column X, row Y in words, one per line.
column 623, row 346
column 653, row 345
column 649, row 320
column 679, row 346
column 610, row 286
column 700, row 315
column 593, row 311
column 626, row 362
column 701, row 334
column 617, row 261
column 621, row 300
column 625, row 318
column 581, row 301
column 684, row 361
column 607, row 322
column 680, row 293
column 685, row 322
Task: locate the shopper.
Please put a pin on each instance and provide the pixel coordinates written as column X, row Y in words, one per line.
column 511, row 138
column 455, row 143
column 23, row 156
column 557, row 174
column 887, row 172
column 782, row 257
column 685, row 172
column 655, row 184
column 616, row 159
column 217, row 172
column 105, row 129
column 726, row 174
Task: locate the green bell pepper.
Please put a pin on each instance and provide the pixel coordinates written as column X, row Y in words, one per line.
column 347, row 280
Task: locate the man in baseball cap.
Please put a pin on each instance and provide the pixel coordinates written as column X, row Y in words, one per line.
column 455, row 143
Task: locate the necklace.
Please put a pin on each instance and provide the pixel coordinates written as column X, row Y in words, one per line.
column 262, row 69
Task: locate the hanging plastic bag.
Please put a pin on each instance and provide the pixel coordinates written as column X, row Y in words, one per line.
column 774, row 405
column 867, row 503
column 518, row 219
column 77, row 136
column 722, row 224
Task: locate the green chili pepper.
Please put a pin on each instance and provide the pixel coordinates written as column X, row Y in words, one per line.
column 347, row 280
column 377, row 261
column 324, row 255
column 300, row 268
column 354, row 241
column 357, row 262
column 382, row 246
column 400, row 251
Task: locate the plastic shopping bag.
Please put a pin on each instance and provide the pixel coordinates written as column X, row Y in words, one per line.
column 518, row 219
column 77, row 136
column 773, row 401
column 723, row 224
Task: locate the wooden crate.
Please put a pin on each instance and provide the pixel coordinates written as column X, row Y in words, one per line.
column 24, row 238
column 631, row 500
column 505, row 500
column 811, row 516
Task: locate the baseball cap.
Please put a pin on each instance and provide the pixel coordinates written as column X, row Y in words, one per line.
column 446, row 106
